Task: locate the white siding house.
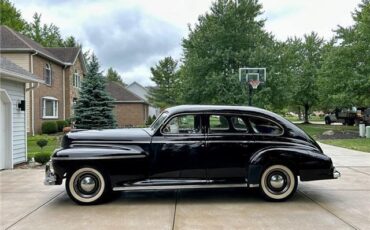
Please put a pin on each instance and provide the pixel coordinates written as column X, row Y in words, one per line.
column 143, row 92
column 13, row 135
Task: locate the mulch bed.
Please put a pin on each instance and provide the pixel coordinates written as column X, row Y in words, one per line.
column 339, row 135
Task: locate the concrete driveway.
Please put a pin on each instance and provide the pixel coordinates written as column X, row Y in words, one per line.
column 333, row 204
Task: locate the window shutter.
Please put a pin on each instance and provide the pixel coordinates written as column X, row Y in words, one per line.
column 51, row 76
column 41, row 107
column 45, row 74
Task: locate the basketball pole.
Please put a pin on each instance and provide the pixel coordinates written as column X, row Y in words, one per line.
column 250, row 94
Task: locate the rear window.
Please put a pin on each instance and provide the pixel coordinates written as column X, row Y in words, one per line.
column 239, row 124
column 265, row 126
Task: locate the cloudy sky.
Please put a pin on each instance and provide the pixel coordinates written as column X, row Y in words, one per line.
column 131, row 36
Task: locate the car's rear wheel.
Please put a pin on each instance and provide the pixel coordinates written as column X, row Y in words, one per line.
column 87, row 185
column 278, row 183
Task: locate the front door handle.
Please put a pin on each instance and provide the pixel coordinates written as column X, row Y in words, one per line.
column 244, row 145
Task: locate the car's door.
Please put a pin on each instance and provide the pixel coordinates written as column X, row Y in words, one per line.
column 179, row 149
column 228, row 142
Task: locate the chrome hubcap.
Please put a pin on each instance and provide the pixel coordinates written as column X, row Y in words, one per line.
column 277, row 181
column 87, row 184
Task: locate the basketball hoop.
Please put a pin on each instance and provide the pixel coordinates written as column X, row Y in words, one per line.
column 254, row 83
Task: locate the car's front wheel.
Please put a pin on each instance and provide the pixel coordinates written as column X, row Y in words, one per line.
column 87, row 185
column 278, row 183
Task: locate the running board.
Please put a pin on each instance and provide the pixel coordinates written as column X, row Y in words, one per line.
column 172, row 187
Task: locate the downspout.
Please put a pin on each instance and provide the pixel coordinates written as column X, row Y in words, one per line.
column 64, row 92
column 33, row 98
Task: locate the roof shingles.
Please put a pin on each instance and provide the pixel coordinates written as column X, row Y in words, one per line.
column 121, row 94
column 11, row 40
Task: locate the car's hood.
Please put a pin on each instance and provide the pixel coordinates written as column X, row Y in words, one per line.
column 129, row 134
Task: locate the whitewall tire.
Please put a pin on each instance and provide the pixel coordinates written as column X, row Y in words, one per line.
column 86, row 185
column 278, row 183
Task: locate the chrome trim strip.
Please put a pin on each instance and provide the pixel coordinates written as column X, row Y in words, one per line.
column 178, row 142
column 110, row 142
column 101, row 145
column 157, row 182
column 98, row 158
column 254, row 185
column 171, row 187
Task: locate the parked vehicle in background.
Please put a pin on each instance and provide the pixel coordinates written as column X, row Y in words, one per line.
column 363, row 115
column 344, row 116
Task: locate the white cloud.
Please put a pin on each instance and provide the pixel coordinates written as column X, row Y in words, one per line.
column 81, row 18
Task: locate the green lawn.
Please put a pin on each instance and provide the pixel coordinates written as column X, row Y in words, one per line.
column 311, row 118
column 53, row 143
column 314, row 130
column 361, row 144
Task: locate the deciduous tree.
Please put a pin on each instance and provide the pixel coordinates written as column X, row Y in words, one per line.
column 166, row 78
column 113, row 75
column 11, row 17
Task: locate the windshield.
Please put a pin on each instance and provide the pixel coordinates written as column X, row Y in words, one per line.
column 159, row 121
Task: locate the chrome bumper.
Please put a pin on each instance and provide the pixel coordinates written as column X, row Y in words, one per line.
column 50, row 177
column 336, row 174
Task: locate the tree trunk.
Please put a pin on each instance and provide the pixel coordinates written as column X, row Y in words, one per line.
column 299, row 113
column 306, row 108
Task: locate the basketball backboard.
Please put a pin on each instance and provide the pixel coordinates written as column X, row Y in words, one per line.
column 253, row 76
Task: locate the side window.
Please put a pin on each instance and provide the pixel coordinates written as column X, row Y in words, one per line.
column 239, row 124
column 218, row 124
column 47, row 74
column 183, row 124
column 264, row 126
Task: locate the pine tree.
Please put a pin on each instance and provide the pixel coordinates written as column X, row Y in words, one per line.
column 94, row 108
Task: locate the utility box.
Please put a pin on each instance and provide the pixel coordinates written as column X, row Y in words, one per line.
column 367, row 131
column 362, row 130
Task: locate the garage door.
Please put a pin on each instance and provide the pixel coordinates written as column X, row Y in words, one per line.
column 2, row 130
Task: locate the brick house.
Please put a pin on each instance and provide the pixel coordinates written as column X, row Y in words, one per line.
column 61, row 69
column 130, row 110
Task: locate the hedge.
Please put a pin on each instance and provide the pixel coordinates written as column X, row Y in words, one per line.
column 61, row 124
column 42, row 158
column 49, row 127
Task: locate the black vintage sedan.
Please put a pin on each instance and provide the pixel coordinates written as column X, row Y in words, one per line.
column 187, row 147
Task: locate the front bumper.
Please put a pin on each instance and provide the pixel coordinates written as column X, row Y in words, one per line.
column 50, row 177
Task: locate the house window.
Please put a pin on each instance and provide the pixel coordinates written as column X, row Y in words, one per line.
column 49, row 107
column 76, row 79
column 47, row 74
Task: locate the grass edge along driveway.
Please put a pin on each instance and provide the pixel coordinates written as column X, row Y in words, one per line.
column 314, row 130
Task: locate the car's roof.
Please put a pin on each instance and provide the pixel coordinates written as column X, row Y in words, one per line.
column 217, row 108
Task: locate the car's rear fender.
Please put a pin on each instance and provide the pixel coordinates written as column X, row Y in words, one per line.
column 296, row 159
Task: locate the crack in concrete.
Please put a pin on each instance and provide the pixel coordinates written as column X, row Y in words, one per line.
column 326, row 209
column 174, row 213
column 34, row 210
column 356, row 170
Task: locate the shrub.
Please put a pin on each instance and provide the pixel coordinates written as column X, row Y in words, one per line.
column 61, row 124
column 42, row 158
column 49, row 127
column 42, row 143
column 149, row 121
